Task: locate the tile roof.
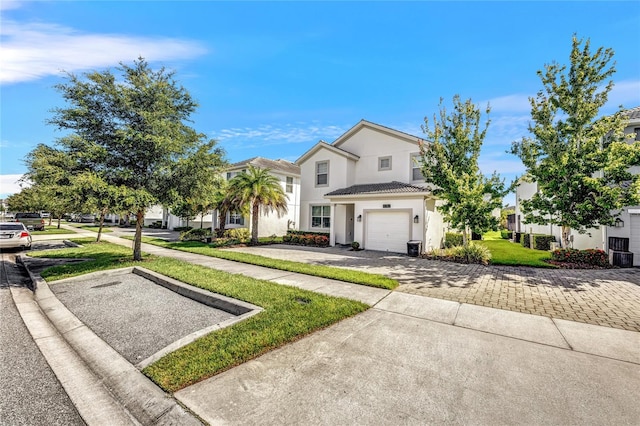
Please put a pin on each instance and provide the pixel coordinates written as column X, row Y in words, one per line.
column 264, row 163
column 633, row 113
column 378, row 188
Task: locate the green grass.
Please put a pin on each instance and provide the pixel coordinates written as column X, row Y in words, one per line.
column 289, row 313
column 341, row 274
column 504, row 252
column 51, row 230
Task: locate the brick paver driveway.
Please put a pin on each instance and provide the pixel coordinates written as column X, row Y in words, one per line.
column 602, row 297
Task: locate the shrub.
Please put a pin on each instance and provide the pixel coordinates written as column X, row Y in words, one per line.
column 473, row 253
column 355, row 245
column 240, row 234
column 197, row 234
column 452, row 239
column 294, row 232
column 183, row 228
column 286, row 238
column 589, row 257
column 321, row 240
column 543, row 242
column 505, row 234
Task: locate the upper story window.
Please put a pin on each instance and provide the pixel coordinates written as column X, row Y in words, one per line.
column 231, row 175
column 416, row 161
column 384, row 163
column 289, row 185
column 637, row 132
column 322, row 173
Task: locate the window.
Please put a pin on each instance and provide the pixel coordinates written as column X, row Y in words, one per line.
column 235, row 218
column 384, row 163
column 229, row 175
column 416, row 173
column 320, row 216
column 637, row 132
column 289, row 186
column 322, row 173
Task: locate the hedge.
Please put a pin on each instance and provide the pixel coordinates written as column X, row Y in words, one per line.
column 292, row 232
column 452, row 239
column 505, row 234
column 543, row 242
column 308, row 239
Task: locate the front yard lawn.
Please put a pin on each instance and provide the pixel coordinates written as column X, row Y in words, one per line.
column 504, row 252
column 341, row 274
column 51, row 230
column 289, row 313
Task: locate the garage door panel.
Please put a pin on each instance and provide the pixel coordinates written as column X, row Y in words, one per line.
column 388, row 231
column 634, row 241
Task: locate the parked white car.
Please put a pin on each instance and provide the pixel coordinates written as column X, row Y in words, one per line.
column 14, row 235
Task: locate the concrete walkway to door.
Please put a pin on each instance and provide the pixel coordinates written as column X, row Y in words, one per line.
column 609, row 297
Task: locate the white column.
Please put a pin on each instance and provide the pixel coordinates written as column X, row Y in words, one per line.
column 332, row 236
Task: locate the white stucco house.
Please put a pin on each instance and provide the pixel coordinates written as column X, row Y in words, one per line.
column 627, row 225
column 269, row 224
column 367, row 186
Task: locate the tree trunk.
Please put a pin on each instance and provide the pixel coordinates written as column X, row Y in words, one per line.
column 222, row 218
column 59, row 219
column 565, row 236
column 201, row 219
column 254, row 223
column 137, row 241
column 102, row 214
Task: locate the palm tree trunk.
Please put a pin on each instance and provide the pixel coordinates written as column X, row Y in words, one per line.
column 254, row 223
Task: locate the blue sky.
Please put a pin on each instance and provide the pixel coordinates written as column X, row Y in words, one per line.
column 273, row 78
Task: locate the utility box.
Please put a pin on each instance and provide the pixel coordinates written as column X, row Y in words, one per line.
column 414, row 248
column 622, row 259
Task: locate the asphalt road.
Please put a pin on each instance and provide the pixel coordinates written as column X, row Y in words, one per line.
column 30, row 393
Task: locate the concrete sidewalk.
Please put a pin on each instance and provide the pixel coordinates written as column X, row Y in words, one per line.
column 414, row 360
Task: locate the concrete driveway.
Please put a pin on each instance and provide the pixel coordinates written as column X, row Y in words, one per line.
column 608, row 297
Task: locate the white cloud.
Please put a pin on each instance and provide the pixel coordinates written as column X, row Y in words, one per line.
column 9, row 185
column 267, row 135
column 35, row 50
column 10, row 4
column 625, row 93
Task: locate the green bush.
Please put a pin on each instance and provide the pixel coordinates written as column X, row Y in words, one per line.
column 452, row 239
column 355, row 245
column 543, row 242
column 473, row 253
column 286, row 238
column 294, row 232
column 197, row 234
column 505, row 234
column 593, row 257
column 240, row 234
column 183, row 228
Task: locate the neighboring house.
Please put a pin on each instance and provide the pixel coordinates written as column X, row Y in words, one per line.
column 367, row 186
column 627, row 225
column 269, row 224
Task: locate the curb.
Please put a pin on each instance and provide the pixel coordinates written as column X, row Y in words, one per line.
column 136, row 395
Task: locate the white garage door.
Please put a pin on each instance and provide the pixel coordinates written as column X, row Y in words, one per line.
column 387, row 231
column 634, row 241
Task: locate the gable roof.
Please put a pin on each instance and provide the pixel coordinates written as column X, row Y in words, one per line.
column 393, row 187
column 323, row 145
column 377, row 127
column 265, row 163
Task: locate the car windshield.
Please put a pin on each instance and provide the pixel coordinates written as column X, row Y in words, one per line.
column 11, row 227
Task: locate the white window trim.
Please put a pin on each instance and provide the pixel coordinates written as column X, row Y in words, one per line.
column 315, row 174
column 413, row 166
column 321, row 216
column 237, row 215
column 286, row 184
column 382, row 169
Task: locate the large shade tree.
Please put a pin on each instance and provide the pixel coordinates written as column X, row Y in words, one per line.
column 131, row 131
column 450, row 165
column 258, row 189
column 579, row 159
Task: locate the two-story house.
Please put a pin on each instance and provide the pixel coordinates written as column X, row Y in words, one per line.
column 269, row 224
column 367, row 186
column 627, row 225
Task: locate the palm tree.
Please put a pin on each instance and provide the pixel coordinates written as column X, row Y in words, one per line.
column 258, row 188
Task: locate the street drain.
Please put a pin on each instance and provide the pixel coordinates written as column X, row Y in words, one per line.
column 107, row 284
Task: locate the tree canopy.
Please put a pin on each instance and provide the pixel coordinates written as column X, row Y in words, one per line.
column 450, row 165
column 130, row 130
column 579, row 159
